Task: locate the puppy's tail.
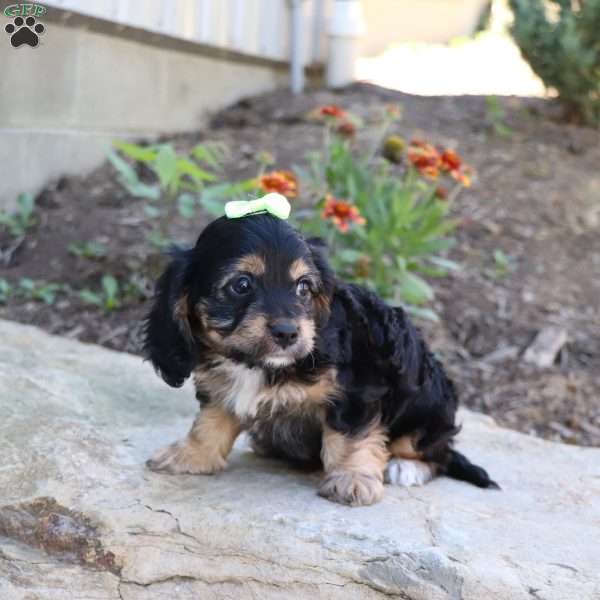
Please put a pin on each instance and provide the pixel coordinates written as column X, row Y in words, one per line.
column 461, row 468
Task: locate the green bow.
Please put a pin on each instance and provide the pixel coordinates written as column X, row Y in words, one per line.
column 275, row 204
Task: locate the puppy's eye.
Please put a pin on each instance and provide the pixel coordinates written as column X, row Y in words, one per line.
column 303, row 288
column 241, row 286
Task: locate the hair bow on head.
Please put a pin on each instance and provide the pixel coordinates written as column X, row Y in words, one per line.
column 275, row 204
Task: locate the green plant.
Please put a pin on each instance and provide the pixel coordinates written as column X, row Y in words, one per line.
column 41, row 291
column 18, row 222
column 107, row 297
column 5, row 291
column 496, row 117
column 91, row 250
column 502, row 263
column 386, row 221
column 559, row 39
column 386, row 225
column 179, row 179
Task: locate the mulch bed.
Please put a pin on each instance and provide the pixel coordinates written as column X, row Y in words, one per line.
column 536, row 197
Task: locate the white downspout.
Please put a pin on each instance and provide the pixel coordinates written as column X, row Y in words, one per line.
column 346, row 27
column 318, row 26
column 296, row 57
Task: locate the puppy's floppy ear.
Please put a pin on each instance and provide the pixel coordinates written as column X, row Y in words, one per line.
column 169, row 342
column 319, row 251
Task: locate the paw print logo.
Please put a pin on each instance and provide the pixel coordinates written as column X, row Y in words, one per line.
column 24, row 31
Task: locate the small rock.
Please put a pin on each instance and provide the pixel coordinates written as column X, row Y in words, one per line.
column 546, row 346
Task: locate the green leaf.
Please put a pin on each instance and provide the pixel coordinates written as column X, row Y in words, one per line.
column 152, row 211
column 47, row 294
column 156, row 238
column 26, row 205
column 502, row 261
column 186, row 205
column 445, row 263
column 90, row 297
column 209, row 154
column 212, row 206
column 422, row 313
column 143, row 190
column 187, row 167
column 165, row 165
column 414, row 290
column 349, row 255
column 143, row 154
column 27, row 284
column 125, row 170
column 110, row 286
column 5, row 290
column 88, row 249
column 226, row 191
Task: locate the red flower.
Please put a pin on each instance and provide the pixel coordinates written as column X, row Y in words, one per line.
column 449, row 161
column 333, row 111
column 346, row 129
column 282, row 182
column 341, row 213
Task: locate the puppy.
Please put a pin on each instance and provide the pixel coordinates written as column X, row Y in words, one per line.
column 318, row 372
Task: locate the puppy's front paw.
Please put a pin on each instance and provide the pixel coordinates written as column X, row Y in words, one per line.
column 354, row 489
column 186, row 457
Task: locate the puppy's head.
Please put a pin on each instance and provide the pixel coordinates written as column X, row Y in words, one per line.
column 252, row 289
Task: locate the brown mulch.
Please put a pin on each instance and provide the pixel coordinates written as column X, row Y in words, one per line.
column 536, row 197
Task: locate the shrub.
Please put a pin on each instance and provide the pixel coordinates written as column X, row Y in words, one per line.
column 559, row 39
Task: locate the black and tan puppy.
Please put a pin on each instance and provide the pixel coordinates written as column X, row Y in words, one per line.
column 316, row 371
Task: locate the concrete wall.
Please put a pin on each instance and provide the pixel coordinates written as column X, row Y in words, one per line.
column 63, row 102
column 435, row 21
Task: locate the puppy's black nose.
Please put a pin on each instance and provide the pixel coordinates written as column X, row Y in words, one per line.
column 284, row 332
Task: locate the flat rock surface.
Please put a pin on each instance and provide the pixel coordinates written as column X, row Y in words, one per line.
column 81, row 517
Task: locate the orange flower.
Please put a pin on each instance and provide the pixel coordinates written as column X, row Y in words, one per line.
column 462, row 177
column 425, row 158
column 282, row 182
column 346, row 129
column 341, row 213
column 393, row 111
column 332, row 110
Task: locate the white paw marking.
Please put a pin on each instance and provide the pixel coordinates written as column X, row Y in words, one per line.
column 406, row 473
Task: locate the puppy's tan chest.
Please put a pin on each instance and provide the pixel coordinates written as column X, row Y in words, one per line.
column 246, row 393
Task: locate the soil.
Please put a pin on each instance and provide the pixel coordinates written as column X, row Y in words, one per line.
column 536, row 197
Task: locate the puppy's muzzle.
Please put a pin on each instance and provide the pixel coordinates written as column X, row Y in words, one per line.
column 284, row 332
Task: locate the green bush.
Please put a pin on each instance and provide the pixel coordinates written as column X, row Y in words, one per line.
column 560, row 39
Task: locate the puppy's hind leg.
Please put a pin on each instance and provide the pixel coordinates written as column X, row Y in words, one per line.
column 206, row 447
column 407, row 468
